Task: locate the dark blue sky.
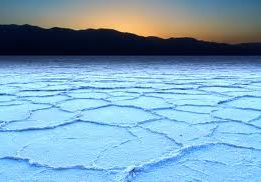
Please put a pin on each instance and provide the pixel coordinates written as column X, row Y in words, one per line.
column 218, row 20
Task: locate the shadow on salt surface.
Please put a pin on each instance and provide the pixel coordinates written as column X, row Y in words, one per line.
column 245, row 102
column 90, row 146
column 26, row 172
column 208, row 131
column 213, row 162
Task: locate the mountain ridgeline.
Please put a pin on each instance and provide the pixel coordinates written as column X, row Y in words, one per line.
column 32, row 40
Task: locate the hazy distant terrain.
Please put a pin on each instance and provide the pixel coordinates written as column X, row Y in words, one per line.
column 32, row 40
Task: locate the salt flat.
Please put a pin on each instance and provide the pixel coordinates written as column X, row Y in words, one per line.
column 130, row 119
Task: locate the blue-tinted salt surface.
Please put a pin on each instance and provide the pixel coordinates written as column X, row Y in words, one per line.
column 130, row 119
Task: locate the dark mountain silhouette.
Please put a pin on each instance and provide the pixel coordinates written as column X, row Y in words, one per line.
column 32, row 40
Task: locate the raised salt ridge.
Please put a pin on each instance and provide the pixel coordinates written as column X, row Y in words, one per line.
column 130, row 119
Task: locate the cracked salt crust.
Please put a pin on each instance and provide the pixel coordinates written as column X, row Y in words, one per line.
column 71, row 120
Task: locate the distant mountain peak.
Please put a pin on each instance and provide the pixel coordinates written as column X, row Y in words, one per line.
column 27, row 39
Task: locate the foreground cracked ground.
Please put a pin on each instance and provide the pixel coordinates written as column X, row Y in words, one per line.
column 112, row 119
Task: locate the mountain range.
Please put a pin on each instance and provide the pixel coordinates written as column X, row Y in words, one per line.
column 33, row 40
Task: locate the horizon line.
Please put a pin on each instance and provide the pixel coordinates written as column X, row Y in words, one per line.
column 112, row 29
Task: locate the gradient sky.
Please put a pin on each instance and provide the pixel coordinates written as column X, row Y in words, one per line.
column 215, row 20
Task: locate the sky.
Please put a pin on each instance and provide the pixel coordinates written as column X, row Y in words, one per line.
column 231, row 21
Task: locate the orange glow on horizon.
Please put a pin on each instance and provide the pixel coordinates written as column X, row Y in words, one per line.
column 145, row 18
